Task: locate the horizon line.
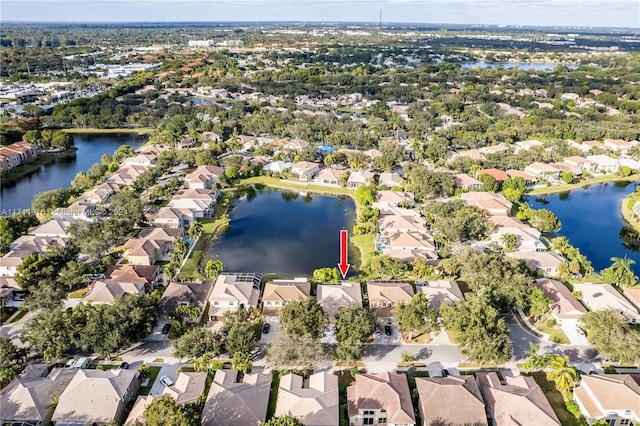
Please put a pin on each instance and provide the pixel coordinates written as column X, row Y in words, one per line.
column 375, row 23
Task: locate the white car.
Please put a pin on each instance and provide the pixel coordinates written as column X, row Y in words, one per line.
column 166, row 381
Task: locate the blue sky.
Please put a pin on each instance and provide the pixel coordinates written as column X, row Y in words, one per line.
column 599, row 13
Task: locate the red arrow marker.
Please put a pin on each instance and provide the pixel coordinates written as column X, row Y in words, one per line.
column 343, row 265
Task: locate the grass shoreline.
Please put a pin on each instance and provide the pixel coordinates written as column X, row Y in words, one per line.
column 138, row 130
column 627, row 215
column 46, row 158
column 592, row 181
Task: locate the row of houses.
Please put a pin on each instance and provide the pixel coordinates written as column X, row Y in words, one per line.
column 16, row 154
column 403, row 232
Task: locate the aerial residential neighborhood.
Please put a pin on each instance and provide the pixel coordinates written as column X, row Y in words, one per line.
column 319, row 223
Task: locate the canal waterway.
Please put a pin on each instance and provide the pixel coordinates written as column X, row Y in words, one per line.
column 592, row 221
column 59, row 174
column 284, row 232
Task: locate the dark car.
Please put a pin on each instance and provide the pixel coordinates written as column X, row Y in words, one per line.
column 377, row 330
column 166, row 328
column 387, row 330
column 266, row 327
column 445, row 372
column 124, row 365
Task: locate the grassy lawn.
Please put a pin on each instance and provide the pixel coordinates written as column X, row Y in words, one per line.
column 139, row 130
column 19, row 316
column 556, row 335
column 568, row 187
column 79, row 293
column 6, row 313
column 44, row 158
column 153, row 374
column 302, row 186
column 209, row 227
column 557, row 402
column 344, row 381
column 273, row 396
column 366, row 246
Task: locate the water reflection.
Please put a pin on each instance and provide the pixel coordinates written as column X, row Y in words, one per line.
column 630, row 238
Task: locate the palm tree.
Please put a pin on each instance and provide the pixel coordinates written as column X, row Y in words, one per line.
column 621, row 267
column 242, row 362
column 180, row 246
column 195, row 229
column 564, row 377
column 510, row 242
column 213, row 268
column 561, row 244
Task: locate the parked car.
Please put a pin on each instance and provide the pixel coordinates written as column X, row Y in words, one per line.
column 580, row 331
column 124, row 365
column 445, row 372
column 166, row 328
column 266, row 327
column 377, row 330
column 387, row 330
column 166, row 381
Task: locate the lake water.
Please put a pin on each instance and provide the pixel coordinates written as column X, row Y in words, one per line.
column 283, row 232
column 592, row 221
column 59, row 174
column 537, row 66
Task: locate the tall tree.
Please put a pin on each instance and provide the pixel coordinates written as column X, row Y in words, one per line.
column 564, row 376
column 239, row 331
column 12, row 359
column 354, row 326
column 304, row 317
column 288, row 350
column 165, row 411
column 416, row 317
column 283, row 421
column 213, row 268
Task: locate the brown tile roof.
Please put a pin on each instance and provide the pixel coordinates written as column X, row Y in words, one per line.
column 188, row 387
column 564, row 304
column 193, row 294
column 612, row 392
column 132, row 273
column 437, row 396
column 285, row 291
column 388, row 292
column 312, row 403
column 389, row 391
column 520, row 401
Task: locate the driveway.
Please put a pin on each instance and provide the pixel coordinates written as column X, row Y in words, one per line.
column 170, row 370
column 394, row 339
column 274, row 322
column 571, row 331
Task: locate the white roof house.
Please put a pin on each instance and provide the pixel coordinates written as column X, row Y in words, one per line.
column 599, row 297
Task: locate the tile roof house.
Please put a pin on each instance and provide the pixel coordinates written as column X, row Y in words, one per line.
column 407, row 246
column 305, row 170
column 332, row 297
column 359, row 178
column 548, row 262
column 382, row 398
column 330, row 176
column 193, row 294
column 9, row 262
column 95, row 396
column 465, row 181
column 581, row 163
column 390, row 179
column 312, row 401
column 517, row 401
column 528, row 144
column 435, row 397
column 390, row 224
column 614, row 398
column 393, row 198
column 383, row 295
column 494, row 204
column 278, row 293
column 100, row 193
column 151, row 245
column 438, row 292
column 528, row 237
column 588, row 145
column 564, row 305
column 233, row 291
column 75, row 211
column 600, row 297
column 52, row 228
column 27, row 399
column 104, row 292
column 373, row 154
column 544, row 171
column 145, row 159
column 633, row 295
column 172, row 217
column 36, row 243
column 187, row 388
column 604, row 163
column 528, row 178
column 617, row 144
column 233, row 403
column 498, row 175
column 149, row 275
column 136, row 415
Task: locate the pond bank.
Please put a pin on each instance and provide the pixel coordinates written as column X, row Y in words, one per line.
column 570, row 187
